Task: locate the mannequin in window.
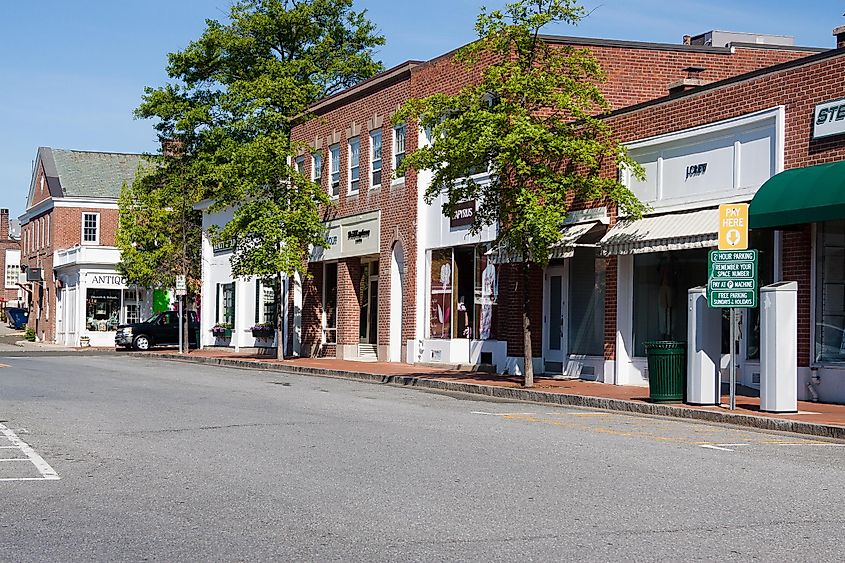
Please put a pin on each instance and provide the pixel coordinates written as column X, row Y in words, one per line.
column 665, row 297
column 489, row 293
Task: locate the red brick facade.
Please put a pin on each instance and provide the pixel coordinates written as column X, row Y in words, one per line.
column 7, row 243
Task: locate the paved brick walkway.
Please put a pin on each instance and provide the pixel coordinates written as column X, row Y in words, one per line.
column 817, row 413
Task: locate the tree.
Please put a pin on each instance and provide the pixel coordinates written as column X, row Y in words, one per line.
column 239, row 90
column 533, row 119
column 159, row 233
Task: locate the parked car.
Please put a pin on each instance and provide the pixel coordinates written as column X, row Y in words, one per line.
column 161, row 329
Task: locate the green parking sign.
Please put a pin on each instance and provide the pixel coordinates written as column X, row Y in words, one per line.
column 732, row 278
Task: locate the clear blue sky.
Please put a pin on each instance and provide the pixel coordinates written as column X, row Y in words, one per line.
column 73, row 71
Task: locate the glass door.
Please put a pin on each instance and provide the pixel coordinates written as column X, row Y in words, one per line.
column 554, row 311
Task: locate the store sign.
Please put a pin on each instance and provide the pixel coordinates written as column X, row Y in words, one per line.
column 829, row 119
column 732, row 278
column 106, row 280
column 733, row 226
column 223, row 246
column 464, row 214
column 351, row 236
column 694, row 170
column 358, row 236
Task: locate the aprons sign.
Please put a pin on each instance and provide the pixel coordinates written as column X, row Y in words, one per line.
column 829, row 119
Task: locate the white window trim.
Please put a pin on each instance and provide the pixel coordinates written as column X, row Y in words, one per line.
column 314, row 177
column 331, row 170
column 96, row 241
column 395, row 181
column 349, row 166
column 372, row 159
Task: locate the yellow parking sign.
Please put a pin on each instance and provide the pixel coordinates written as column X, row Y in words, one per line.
column 733, row 226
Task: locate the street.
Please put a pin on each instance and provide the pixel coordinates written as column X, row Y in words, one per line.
column 161, row 460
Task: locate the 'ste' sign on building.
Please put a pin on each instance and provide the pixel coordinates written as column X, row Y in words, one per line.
column 733, row 226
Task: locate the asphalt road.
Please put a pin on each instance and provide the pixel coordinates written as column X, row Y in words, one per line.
column 157, row 460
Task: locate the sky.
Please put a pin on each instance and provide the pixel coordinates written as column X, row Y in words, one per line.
column 72, row 71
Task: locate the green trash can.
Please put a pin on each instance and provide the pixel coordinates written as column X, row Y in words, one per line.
column 667, row 370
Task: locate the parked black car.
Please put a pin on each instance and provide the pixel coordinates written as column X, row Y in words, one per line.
column 160, row 329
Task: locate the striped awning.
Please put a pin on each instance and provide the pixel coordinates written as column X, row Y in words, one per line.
column 659, row 233
column 569, row 239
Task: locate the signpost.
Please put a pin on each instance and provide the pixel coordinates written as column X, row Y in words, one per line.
column 732, row 274
column 181, row 292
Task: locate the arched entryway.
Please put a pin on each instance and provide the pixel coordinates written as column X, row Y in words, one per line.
column 397, row 288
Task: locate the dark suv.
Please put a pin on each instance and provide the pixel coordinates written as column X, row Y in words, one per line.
column 160, row 329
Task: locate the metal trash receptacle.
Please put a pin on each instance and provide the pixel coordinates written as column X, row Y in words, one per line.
column 667, row 370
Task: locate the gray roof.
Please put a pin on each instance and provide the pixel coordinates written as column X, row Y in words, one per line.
column 92, row 174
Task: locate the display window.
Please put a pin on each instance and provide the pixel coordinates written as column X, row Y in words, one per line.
column 330, row 303
column 586, row 303
column 830, row 293
column 102, row 310
column 463, row 293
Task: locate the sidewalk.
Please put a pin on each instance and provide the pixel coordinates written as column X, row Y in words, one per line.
column 818, row 419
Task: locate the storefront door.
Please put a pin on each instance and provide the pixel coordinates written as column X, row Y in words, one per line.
column 369, row 304
column 554, row 311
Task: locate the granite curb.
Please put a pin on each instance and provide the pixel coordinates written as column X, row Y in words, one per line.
column 533, row 396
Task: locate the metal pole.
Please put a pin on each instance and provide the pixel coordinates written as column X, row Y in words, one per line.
column 733, row 360
column 180, row 325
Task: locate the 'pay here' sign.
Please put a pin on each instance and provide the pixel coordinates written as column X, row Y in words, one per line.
column 733, row 226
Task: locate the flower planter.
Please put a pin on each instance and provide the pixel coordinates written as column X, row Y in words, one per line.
column 263, row 332
column 222, row 333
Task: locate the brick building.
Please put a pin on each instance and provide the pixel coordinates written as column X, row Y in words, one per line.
column 68, row 247
column 10, row 261
column 455, row 304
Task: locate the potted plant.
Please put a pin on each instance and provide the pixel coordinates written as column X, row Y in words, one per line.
column 222, row 330
column 263, row 330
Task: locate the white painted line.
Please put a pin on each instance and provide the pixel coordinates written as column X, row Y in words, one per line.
column 505, row 413
column 8, row 447
column 16, row 459
column 24, row 479
column 712, row 447
column 42, row 466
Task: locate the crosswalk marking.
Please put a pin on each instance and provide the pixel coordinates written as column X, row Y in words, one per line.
column 47, row 472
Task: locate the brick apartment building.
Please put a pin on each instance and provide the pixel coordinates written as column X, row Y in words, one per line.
column 68, row 247
column 10, row 261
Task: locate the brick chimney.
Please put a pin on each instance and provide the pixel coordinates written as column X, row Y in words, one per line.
column 4, row 224
column 691, row 81
column 839, row 33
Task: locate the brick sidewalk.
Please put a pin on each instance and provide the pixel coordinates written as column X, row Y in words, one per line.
column 812, row 413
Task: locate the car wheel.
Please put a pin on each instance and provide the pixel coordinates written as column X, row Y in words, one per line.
column 142, row 342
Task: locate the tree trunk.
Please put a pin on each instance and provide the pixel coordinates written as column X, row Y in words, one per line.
column 280, row 317
column 526, row 325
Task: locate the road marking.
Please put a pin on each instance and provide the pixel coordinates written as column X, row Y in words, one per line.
column 47, row 472
column 721, row 447
column 503, row 413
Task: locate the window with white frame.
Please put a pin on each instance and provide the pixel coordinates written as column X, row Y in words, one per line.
column 317, row 167
column 13, row 272
column 354, row 164
column 300, row 164
column 91, row 228
column 47, row 230
column 334, row 166
column 375, row 159
column 398, row 148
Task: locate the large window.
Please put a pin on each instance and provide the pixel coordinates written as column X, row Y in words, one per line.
column 91, row 228
column 317, row 167
column 133, row 302
column 265, row 303
column 334, row 166
column 225, row 313
column 661, row 281
column 398, row 148
column 375, row 159
column 586, row 303
column 463, row 293
column 102, row 310
column 330, row 303
column 13, row 272
column 354, row 164
column 830, row 292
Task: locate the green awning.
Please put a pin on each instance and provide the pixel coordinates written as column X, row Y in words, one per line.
column 800, row 195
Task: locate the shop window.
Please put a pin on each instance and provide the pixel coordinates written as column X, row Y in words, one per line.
column 398, row 148
column 764, row 242
column 102, row 310
column 375, row 159
column 225, row 313
column 586, row 303
column 334, row 166
column 317, row 167
column 354, row 164
column 830, row 292
column 265, row 303
column 463, row 293
column 91, row 228
column 330, row 303
column 661, row 281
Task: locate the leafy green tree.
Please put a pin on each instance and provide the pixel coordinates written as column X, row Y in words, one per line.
column 533, row 119
column 237, row 92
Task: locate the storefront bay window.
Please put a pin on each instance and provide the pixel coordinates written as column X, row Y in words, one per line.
column 463, row 293
column 102, row 309
column 830, row 293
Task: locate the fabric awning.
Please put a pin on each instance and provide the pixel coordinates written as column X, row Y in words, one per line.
column 800, row 195
column 570, row 235
column 659, row 233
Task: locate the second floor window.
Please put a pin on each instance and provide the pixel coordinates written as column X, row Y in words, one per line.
column 91, row 228
column 398, row 148
column 354, row 161
column 300, row 164
column 317, row 167
column 13, row 273
column 334, row 164
column 375, row 159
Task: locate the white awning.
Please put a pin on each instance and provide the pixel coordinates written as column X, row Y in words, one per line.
column 659, row 233
column 570, row 235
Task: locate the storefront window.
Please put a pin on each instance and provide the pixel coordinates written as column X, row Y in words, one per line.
column 830, row 292
column 586, row 303
column 441, row 293
column 764, row 242
column 330, row 303
column 464, row 289
column 486, row 293
column 661, row 282
column 102, row 311
column 133, row 300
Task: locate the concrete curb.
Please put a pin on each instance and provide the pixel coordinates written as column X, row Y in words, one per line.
column 532, row 396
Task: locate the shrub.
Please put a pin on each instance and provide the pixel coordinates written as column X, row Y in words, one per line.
column 29, row 334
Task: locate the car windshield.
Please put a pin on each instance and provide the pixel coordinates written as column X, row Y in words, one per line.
column 153, row 318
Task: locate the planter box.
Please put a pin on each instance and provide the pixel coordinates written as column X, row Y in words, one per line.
column 264, row 332
column 225, row 333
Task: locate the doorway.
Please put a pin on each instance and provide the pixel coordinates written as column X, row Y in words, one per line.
column 554, row 321
column 369, row 304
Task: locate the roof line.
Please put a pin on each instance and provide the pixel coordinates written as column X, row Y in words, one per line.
column 364, row 86
column 748, row 76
